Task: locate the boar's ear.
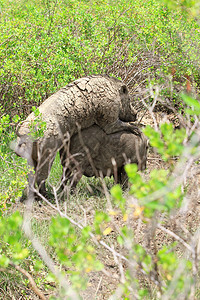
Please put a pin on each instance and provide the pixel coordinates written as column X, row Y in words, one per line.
column 17, row 129
column 123, row 90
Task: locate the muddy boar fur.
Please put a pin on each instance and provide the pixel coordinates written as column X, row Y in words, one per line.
column 94, row 153
column 96, row 99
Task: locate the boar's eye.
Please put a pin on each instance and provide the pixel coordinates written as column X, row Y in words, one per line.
column 21, row 144
column 124, row 90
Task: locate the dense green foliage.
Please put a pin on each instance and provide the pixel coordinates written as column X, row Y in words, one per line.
column 153, row 46
column 46, row 44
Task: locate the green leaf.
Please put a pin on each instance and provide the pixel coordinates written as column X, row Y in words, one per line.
column 192, row 112
column 116, row 192
column 4, row 261
column 191, row 102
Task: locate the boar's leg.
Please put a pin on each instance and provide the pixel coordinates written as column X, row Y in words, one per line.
column 122, row 177
column 42, row 166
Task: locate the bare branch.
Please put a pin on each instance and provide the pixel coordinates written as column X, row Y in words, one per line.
column 31, row 280
column 178, row 238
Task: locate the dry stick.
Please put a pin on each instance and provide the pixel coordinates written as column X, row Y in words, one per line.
column 178, row 238
column 137, row 74
column 185, row 230
column 115, row 173
column 85, row 216
column 121, row 270
column 196, row 123
column 31, row 280
column 106, row 193
column 196, row 241
column 143, row 115
column 150, row 109
column 56, row 198
column 139, row 84
column 117, row 228
column 132, row 66
column 158, row 158
column 168, row 104
column 181, row 268
column 98, row 287
column 186, row 155
column 181, row 179
column 2, row 291
column 12, row 164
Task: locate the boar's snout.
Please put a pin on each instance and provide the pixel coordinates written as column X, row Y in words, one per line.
column 22, row 146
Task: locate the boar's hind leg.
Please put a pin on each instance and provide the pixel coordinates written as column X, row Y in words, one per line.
column 122, row 178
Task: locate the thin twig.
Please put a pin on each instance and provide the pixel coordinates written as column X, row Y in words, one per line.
column 121, row 270
column 31, row 280
column 178, row 238
column 98, row 287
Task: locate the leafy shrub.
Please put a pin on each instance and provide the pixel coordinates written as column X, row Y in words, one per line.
column 64, row 40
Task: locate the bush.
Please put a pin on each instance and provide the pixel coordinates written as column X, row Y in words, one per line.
column 138, row 237
column 143, row 43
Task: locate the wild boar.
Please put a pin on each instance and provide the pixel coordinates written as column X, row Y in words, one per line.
column 92, row 152
column 96, row 99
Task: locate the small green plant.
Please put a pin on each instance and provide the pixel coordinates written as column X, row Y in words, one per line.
column 37, row 125
column 159, row 182
column 74, row 251
column 167, row 141
column 12, row 250
column 193, row 103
